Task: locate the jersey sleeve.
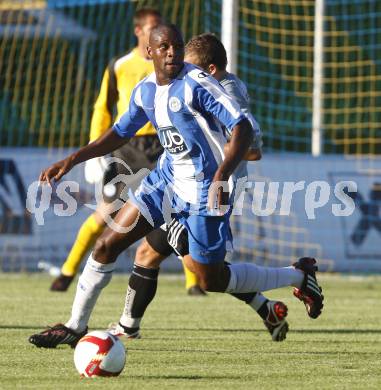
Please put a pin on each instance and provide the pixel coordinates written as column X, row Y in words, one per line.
column 134, row 118
column 210, row 98
column 240, row 95
column 101, row 119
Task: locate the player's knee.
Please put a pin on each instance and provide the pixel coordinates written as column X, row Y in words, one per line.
column 105, row 251
column 147, row 257
column 210, row 282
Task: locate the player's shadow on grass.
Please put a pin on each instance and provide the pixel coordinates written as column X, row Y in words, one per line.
column 216, row 330
column 236, row 330
column 187, row 377
column 340, row 331
column 31, row 327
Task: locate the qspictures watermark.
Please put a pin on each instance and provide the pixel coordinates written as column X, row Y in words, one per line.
column 265, row 198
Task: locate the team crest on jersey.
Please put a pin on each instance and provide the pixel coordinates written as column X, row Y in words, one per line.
column 174, row 104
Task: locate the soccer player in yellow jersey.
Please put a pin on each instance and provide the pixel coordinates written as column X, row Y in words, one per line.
column 120, row 78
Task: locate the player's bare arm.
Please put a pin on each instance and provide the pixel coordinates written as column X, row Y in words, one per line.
column 105, row 144
column 242, row 137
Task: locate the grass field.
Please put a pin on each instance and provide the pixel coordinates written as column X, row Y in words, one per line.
column 201, row 343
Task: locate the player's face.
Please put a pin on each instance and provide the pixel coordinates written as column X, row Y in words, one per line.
column 167, row 52
column 143, row 32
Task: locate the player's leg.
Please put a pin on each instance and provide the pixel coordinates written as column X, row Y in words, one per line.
column 207, row 236
column 217, row 277
column 142, row 284
column 143, row 152
column 244, row 277
column 273, row 313
column 89, row 232
column 97, row 273
column 191, row 282
column 177, row 239
column 143, row 281
column 301, row 275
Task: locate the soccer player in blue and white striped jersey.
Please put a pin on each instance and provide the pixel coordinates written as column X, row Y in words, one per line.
column 186, row 106
column 207, row 52
column 184, row 114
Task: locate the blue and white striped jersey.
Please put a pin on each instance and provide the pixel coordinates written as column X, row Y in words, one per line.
column 187, row 115
column 237, row 90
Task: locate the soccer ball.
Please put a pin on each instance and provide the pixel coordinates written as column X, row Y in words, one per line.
column 99, row 354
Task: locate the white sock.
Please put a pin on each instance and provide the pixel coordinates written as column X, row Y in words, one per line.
column 258, row 301
column 245, row 277
column 94, row 278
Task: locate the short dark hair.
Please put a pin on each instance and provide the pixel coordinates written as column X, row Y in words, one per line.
column 209, row 50
column 141, row 15
column 166, row 26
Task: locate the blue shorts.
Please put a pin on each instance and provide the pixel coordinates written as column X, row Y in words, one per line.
column 208, row 235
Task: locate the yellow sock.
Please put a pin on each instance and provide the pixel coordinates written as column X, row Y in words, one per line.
column 190, row 278
column 86, row 237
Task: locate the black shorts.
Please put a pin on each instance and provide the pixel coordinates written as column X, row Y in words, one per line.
column 171, row 239
column 140, row 152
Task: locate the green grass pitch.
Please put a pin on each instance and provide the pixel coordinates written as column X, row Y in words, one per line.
column 200, row 343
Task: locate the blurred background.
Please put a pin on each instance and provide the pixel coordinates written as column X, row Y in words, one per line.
column 313, row 71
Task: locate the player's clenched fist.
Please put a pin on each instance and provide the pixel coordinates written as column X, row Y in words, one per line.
column 56, row 171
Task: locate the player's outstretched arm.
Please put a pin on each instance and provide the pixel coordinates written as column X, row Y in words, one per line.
column 105, row 144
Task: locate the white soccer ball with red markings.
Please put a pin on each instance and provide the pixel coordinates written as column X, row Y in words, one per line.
column 99, row 354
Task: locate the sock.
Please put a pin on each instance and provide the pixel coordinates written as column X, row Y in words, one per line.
column 255, row 300
column 245, row 277
column 258, row 301
column 190, row 277
column 245, row 297
column 87, row 235
column 140, row 292
column 259, row 304
column 94, row 278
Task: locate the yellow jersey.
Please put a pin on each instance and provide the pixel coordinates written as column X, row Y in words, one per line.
column 128, row 70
